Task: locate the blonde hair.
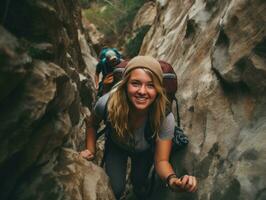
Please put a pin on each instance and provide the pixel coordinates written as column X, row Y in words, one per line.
column 118, row 106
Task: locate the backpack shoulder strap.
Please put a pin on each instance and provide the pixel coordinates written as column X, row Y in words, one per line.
column 177, row 112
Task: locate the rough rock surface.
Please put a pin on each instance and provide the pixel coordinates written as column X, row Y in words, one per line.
column 46, row 91
column 95, row 35
column 67, row 177
column 218, row 51
column 141, row 24
column 145, row 16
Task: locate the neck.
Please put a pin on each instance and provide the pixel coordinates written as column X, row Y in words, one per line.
column 133, row 113
column 137, row 118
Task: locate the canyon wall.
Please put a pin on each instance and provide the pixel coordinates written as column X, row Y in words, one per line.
column 46, row 68
column 218, row 50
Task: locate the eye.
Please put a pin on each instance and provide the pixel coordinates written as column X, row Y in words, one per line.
column 150, row 86
column 135, row 83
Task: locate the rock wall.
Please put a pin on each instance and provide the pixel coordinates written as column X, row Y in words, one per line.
column 218, row 49
column 141, row 25
column 46, row 91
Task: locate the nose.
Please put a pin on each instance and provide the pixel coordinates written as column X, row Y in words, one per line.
column 142, row 89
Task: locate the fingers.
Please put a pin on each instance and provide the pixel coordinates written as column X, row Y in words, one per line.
column 194, row 187
column 90, row 157
column 189, row 183
column 175, row 184
column 87, row 154
column 185, row 183
column 184, row 180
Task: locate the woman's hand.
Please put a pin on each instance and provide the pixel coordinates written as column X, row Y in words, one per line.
column 87, row 154
column 185, row 183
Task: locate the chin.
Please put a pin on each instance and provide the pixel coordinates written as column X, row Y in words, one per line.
column 141, row 107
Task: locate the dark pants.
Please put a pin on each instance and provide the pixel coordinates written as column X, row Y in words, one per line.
column 116, row 167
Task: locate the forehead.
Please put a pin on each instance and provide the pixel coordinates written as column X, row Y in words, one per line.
column 141, row 75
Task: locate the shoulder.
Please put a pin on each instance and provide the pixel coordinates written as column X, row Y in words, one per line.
column 169, row 119
column 167, row 127
column 101, row 104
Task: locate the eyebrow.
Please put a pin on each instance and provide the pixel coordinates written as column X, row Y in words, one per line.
column 141, row 81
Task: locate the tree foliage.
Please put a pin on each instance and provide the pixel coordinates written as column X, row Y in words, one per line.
column 113, row 17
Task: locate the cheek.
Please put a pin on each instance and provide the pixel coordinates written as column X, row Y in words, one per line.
column 153, row 94
column 129, row 89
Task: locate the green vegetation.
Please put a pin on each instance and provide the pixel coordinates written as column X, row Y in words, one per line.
column 113, row 17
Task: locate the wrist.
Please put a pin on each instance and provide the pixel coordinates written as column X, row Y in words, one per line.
column 89, row 150
column 168, row 179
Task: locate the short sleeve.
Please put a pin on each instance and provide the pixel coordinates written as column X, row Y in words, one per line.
column 100, row 105
column 168, row 127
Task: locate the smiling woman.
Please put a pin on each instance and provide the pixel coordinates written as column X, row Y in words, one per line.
column 136, row 103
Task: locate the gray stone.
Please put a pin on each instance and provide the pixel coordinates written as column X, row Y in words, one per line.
column 218, row 51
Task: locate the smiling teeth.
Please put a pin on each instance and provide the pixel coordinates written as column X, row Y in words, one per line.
column 140, row 98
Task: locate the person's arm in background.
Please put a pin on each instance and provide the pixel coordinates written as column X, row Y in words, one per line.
column 165, row 169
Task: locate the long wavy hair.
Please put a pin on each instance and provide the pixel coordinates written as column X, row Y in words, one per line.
column 119, row 106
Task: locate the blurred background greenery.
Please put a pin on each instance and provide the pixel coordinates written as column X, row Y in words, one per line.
column 114, row 19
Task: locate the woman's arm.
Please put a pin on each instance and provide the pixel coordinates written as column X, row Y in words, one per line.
column 165, row 169
column 91, row 126
column 162, row 154
column 92, row 123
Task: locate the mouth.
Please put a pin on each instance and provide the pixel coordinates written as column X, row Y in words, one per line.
column 141, row 99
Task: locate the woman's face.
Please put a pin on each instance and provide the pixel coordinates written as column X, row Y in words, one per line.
column 140, row 89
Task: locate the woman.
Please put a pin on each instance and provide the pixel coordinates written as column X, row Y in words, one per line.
column 137, row 101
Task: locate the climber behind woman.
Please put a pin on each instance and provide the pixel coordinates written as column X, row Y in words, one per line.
column 136, row 102
column 108, row 59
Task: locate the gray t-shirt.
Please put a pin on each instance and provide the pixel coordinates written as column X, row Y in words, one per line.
column 166, row 131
